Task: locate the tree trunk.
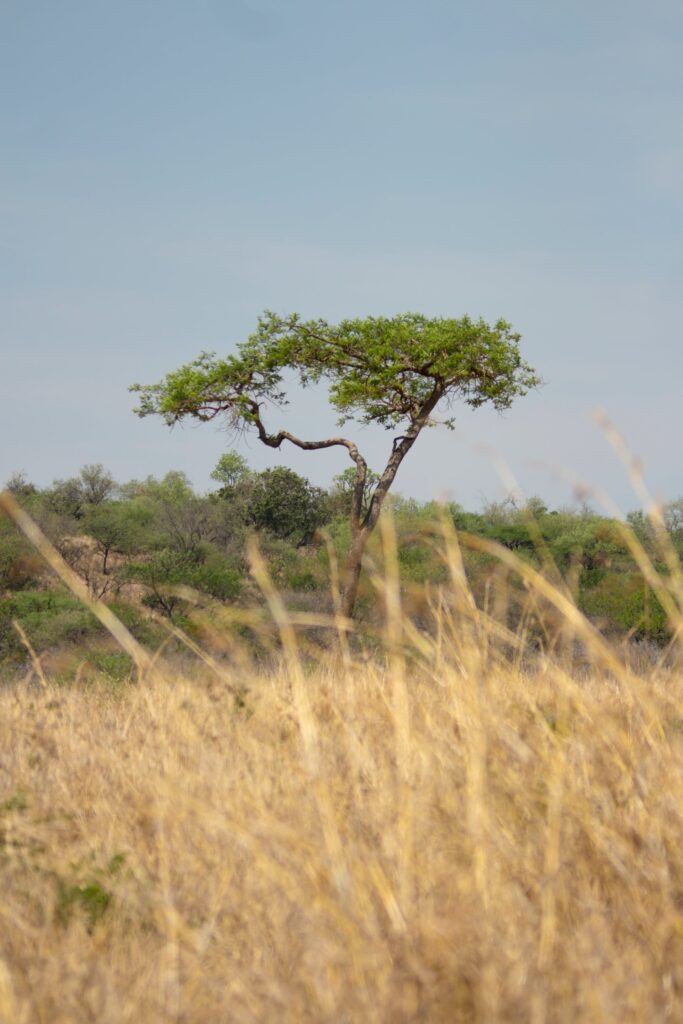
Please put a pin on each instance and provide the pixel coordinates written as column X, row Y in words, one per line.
column 352, row 571
column 361, row 532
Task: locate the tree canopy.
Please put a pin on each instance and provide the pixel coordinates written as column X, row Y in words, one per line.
column 393, row 371
column 379, row 369
column 230, row 469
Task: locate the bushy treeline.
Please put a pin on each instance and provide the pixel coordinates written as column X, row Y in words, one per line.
column 140, row 543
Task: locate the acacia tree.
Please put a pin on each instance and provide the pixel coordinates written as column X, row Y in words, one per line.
column 394, row 371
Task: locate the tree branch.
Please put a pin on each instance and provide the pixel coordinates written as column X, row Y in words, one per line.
column 275, row 440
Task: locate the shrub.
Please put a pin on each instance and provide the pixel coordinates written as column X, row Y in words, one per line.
column 302, row 580
column 203, row 570
column 19, row 567
column 115, row 665
column 49, row 617
column 286, row 505
column 625, row 603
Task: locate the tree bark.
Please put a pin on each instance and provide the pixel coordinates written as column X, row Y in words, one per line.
column 361, row 526
column 352, row 571
column 361, row 532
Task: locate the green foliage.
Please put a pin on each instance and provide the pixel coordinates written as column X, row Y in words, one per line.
column 169, row 569
column 623, row 603
column 173, row 489
column 49, row 617
column 72, row 496
column 93, row 899
column 302, row 581
column 90, row 896
column 65, row 498
column 16, row 802
column 230, row 469
column 97, row 484
column 379, row 369
column 293, row 568
column 177, row 517
column 20, row 486
column 216, row 577
column 419, row 563
column 166, row 538
column 286, row 505
column 160, row 573
column 19, row 565
column 117, row 526
column 138, row 623
column 393, row 371
column 343, row 485
column 116, row 666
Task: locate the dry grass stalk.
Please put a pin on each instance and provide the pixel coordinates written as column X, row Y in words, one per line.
column 76, row 585
column 35, row 660
column 451, row 832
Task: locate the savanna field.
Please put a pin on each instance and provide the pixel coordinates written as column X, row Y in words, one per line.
column 343, row 681
column 439, row 818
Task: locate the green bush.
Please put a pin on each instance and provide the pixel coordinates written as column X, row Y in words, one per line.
column 19, row 566
column 286, row 504
column 204, row 570
column 89, row 896
column 217, row 578
column 115, row 665
column 138, row 623
column 302, row 580
column 419, row 564
column 624, row 603
column 49, row 617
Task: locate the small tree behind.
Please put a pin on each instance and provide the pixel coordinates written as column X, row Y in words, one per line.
column 97, row 484
column 286, row 504
column 20, row 486
column 118, row 526
column 230, row 469
column 344, row 487
column 394, row 371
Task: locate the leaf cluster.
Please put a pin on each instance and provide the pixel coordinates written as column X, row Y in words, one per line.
column 381, row 370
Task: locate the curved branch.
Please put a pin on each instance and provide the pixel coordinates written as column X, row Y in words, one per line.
column 275, row 440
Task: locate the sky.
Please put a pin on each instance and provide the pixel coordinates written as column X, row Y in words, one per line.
column 168, row 170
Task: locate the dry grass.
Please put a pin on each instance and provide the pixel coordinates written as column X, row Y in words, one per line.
column 440, row 834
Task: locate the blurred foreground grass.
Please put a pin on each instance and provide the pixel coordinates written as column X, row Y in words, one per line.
column 443, row 830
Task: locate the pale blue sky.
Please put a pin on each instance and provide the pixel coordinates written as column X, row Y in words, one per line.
column 169, row 169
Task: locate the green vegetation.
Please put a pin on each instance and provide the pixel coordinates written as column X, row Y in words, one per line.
column 398, row 372
column 50, row 618
column 91, row 896
column 154, row 549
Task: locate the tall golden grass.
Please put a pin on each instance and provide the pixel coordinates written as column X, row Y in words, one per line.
column 448, row 829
